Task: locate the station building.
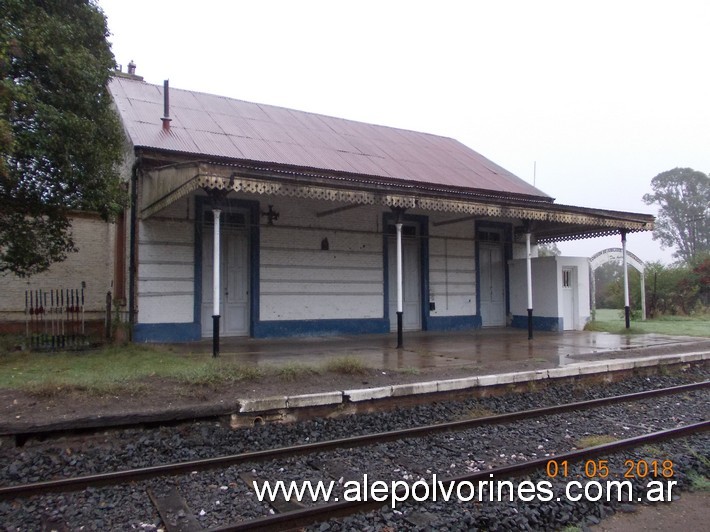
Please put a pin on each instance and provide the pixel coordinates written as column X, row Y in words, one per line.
column 308, row 210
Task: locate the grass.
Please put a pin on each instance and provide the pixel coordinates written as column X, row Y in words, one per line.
column 475, row 413
column 612, row 321
column 112, row 369
column 593, row 440
column 131, row 369
column 698, row 482
column 293, row 371
column 347, row 365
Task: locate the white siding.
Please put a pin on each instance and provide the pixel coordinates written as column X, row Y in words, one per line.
column 544, row 287
column 166, row 254
column 301, row 281
column 547, row 287
column 452, row 269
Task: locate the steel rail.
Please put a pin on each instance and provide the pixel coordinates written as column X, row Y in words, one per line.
column 323, row 512
column 129, row 475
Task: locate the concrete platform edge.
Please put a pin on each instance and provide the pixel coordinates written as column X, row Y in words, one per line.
column 253, row 406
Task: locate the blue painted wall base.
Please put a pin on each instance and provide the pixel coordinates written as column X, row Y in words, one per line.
column 454, row 323
column 166, row 332
column 285, row 328
column 191, row 332
column 540, row 323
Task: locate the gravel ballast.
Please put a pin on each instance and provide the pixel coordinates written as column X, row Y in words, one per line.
column 218, row 497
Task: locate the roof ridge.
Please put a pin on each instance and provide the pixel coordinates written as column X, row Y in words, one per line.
column 284, row 108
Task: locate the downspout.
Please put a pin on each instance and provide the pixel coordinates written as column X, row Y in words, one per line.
column 132, row 251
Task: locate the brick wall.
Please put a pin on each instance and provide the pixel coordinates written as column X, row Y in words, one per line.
column 92, row 264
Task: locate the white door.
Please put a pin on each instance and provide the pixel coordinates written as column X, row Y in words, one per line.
column 569, row 283
column 411, row 281
column 492, row 274
column 234, row 283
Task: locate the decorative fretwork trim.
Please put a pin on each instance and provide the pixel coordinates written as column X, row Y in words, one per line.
column 176, row 182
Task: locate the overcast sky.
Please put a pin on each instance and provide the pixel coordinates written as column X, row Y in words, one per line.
column 588, row 99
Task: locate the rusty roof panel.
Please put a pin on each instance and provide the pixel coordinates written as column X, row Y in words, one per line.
column 205, row 124
column 334, row 142
column 211, row 143
column 258, row 150
column 313, row 122
column 367, row 164
column 174, row 140
column 279, row 115
column 234, row 127
column 270, row 131
column 194, row 120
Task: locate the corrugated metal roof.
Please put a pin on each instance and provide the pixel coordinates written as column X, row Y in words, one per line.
column 206, row 124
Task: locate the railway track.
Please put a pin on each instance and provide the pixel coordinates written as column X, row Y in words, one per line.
column 412, row 454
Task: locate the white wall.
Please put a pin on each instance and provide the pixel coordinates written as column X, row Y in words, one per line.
column 452, row 267
column 547, row 287
column 300, row 281
column 166, row 256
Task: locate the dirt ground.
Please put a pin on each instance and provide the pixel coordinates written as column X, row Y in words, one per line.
column 20, row 410
column 690, row 513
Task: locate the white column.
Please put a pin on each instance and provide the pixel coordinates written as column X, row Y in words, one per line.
column 529, row 269
column 528, row 264
column 399, row 266
column 626, row 278
column 643, row 295
column 216, row 265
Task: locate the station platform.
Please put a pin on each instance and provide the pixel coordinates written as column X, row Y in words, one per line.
column 434, row 362
column 484, row 351
column 429, row 366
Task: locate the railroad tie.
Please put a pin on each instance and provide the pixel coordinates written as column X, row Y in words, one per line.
column 412, row 466
column 176, row 515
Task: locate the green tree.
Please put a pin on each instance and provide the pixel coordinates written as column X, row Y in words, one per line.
column 683, row 197
column 677, row 289
column 606, row 276
column 548, row 250
column 60, row 140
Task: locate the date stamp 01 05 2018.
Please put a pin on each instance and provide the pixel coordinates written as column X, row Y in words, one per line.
column 595, row 470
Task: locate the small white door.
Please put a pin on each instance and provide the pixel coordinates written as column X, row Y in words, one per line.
column 411, row 280
column 234, row 283
column 569, row 283
column 492, row 275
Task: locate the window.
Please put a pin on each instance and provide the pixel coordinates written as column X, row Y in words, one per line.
column 227, row 219
column 489, row 236
column 567, row 278
column 407, row 230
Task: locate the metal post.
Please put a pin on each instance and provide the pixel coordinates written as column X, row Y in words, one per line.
column 215, row 285
column 627, row 308
column 528, row 262
column 109, row 314
column 643, row 295
column 398, row 225
column 593, row 284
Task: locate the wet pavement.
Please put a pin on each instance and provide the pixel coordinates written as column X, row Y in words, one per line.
column 485, row 350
